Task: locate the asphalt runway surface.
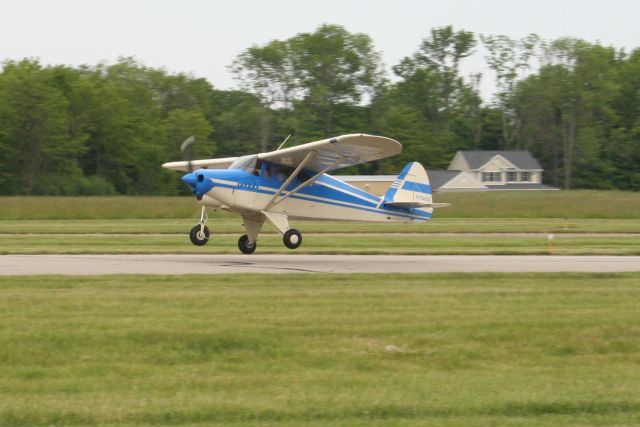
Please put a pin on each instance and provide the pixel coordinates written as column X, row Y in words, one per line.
column 214, row 264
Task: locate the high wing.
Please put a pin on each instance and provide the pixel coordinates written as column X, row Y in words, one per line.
column 223, row 163
column 335, row 153
column 328, row 154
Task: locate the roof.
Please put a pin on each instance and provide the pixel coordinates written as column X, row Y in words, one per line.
column 520, row 158
column 438, row 178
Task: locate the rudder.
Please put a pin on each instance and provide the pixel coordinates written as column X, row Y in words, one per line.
column 411, row 188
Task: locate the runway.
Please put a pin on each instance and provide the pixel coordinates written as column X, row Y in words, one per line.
column 223, row 264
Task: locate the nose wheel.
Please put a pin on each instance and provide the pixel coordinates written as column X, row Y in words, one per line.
column 199, row 234
column 292, row 238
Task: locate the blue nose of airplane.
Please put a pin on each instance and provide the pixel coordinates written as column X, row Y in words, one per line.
column 191, row 179
column 197, row 182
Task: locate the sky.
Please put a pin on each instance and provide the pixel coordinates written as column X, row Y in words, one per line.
column 203, row 37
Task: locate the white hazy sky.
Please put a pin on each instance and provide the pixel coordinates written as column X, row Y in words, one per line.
column 203, row 37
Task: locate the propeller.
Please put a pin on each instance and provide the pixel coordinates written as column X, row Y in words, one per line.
column 187, row 149
column 196, row 182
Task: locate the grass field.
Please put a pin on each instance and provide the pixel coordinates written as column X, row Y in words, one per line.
column 48, row 225
column 223, row 223
column 582, row 204
column 349, row 350
column 324, row 244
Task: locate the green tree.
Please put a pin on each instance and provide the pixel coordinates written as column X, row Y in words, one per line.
column 181, row 124
column 36, row 145
column 316, row 74
column 125, row 126
column 569, row 112
column 438, row 59
column 510, row 60
column 432, row 87
column 268, row 72
column 334, row 66
column 625, row 152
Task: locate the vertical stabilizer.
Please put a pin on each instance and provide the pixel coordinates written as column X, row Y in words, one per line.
column 410, row 189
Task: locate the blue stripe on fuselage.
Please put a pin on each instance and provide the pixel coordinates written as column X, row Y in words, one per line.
column 249, row 182
column 328, row 179
column 320, row 189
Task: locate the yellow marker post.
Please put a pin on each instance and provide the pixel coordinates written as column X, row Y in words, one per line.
column 550, row 243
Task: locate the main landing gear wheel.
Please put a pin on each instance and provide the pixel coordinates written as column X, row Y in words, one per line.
column 244, row 246
column 199, row 235
column 292, row 238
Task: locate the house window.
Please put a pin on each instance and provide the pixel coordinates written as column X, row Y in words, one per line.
column 512, row 176
column 525, row 176
column 491, row 176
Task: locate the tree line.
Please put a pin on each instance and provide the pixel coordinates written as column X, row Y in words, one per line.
column 105, row 129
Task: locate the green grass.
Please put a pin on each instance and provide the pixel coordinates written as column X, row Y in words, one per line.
column 321, row 244
column 164, row 221
column 222, row 223
column 583, row 204
column 481, row 350
column 542, row 204
column 116, row 207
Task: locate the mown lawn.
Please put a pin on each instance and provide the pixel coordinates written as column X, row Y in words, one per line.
column 584, row 204
column 350, row 350
column 325, row 244
column 223, row 223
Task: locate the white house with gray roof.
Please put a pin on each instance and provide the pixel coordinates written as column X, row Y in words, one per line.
column 440, row 180
column 501, row 170
column 471, row 171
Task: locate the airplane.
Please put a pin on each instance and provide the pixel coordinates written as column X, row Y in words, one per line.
column 293, row 183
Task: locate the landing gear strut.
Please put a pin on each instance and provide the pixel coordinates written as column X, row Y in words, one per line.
column 200, row 233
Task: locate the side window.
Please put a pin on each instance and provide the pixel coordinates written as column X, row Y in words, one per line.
column 267, row 170
column 258, row 168
column 279, row 172
column 304, row 176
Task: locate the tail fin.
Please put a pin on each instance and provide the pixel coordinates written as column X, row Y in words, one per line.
column 411, row 189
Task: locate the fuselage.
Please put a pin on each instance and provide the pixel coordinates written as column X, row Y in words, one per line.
column 251, row 190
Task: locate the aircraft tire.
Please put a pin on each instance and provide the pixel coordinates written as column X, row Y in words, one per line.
column 243, row 245
column 197, row 238
column 292, row 238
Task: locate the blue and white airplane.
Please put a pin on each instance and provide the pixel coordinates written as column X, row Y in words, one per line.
column 293, row 183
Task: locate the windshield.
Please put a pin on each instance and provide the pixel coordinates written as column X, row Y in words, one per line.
column 247, row 163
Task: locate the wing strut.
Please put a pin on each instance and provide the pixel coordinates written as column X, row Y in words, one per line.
column 310, row 155
column 308, row 182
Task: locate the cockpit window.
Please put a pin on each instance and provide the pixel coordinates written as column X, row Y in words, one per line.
column 282, row 172
column 247, row 163
column 279, row 172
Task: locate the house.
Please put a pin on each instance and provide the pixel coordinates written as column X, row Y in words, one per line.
column 454, row 180
column 501, row 170
column 440, row 180
column 470, row 171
